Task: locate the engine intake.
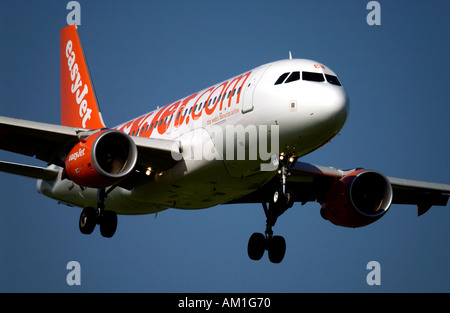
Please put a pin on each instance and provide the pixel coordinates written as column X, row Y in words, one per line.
column 357, row 199
column 102, row 159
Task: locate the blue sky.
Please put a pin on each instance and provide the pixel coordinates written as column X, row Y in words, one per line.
column 146, row 53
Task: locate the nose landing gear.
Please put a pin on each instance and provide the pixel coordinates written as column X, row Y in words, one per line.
column 282, row 199
column 275, row 245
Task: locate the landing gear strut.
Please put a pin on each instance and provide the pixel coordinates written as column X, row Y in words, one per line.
column 106, row 219
column 282, row 199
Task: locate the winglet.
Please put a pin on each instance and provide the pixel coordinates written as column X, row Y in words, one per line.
column 79, row 107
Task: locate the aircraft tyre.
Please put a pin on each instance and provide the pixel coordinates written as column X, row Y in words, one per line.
column 256, row 246
column 276, row 249
column 108, row 223
column 88, row 220
column 280, row 198
column 289, row 198
column 275, row 246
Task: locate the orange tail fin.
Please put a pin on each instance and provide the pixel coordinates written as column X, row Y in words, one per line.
column 79, row 106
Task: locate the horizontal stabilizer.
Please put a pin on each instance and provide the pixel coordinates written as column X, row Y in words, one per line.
column 28, row 170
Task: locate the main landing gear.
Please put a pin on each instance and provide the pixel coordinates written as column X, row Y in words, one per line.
column 281, row 200
column 90, row 217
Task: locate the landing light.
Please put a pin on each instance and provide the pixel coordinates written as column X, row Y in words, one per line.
column 149, row 171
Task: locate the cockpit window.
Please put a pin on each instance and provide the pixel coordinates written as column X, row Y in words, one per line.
column 333, row 80
column 308, row 76
column 293, row 77
column 314, row 77
column 281, row 79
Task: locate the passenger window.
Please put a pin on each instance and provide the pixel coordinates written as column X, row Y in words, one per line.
column 333, row 80
column 313, row 77
column 281, row 79
column 293, row 77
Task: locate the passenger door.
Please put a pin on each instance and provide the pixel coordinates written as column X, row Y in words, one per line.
column 247, row 102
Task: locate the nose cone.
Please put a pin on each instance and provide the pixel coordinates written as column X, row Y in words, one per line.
column 329, row 108
column 338, row 107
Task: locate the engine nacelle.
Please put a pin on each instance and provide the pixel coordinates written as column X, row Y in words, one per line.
column 357, row 199
column 102, row 159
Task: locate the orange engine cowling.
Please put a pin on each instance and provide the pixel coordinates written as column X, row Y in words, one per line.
column 357, row 199
column 103, row 159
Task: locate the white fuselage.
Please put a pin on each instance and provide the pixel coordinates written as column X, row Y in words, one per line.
column 231, row 135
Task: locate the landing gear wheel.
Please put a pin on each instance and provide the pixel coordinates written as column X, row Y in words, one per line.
column 258, row 243
column 256, row 246
column 280, row 197
column 276, row 196
column 276, row 249
column 88, row 220
column 108, row 224
column 289, row 198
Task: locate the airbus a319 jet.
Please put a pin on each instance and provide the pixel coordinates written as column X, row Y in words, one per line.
column 238, row 141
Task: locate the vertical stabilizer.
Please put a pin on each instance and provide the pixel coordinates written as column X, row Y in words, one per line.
column 79, row 107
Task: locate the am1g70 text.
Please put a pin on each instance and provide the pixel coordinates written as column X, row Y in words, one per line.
column 246, row 303
column 228, row 302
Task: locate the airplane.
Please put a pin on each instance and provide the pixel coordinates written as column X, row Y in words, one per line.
column 238, row 141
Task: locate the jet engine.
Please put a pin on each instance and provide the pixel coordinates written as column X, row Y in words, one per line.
column 103, row 159
column 357, row 199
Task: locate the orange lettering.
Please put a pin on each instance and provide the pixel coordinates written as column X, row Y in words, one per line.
column 235, row 80
column 209, row 110
column 196, row 116
column 179, row 117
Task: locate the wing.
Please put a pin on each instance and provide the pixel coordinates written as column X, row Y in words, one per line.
column 311, row 183
column 51, row 143
column 46, row 142
column 422, row 194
